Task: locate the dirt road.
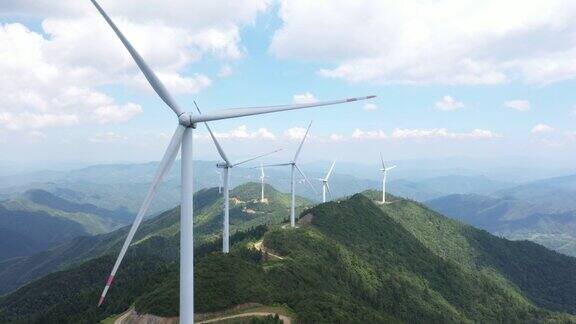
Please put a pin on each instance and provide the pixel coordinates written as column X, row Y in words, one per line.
column 285, row 319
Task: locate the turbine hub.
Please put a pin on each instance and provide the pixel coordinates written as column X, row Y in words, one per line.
column 221, row 165
column 185, row 119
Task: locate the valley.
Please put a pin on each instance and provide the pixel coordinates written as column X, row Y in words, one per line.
column 350, row 261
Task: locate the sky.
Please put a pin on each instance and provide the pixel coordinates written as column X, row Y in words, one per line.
column 454, row 78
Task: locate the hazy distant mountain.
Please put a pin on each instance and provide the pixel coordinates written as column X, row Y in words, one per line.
column 37, row 220
column 353, row 261
column 245, row 213
column 543, row 211
column 552, row 195
column 435, row 187
column 123, row 186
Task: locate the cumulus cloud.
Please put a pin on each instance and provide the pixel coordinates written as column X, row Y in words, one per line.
column 370, row 107
column 360, row 134
column 542, row 128
column 242, row 132
column 295, row 133
column 304, row 98
column 519, row 105
column 336, row 137
column 454, row 42
column 448, row 104
column 51, row 75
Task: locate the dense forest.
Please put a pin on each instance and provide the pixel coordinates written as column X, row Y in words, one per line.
column 354, row 261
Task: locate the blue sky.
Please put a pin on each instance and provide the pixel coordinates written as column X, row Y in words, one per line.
column 491, row 80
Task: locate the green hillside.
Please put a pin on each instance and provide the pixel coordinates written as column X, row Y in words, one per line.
column 513, row 218
column 357, row 262
column 39, row 220
column 208, row 223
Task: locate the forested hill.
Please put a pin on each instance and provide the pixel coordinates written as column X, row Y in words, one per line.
column 246, row 212
column 351, row 261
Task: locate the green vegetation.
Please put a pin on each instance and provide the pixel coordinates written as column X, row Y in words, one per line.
column 545, row 277
column 541, row 211
column 357, row 262
column 208, row 223
column 38, row 220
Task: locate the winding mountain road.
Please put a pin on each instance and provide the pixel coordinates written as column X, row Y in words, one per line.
column 285, row 319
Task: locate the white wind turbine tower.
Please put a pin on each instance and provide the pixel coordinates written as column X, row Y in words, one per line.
column 262, row 178
column 225, row 174
column 183, row 136
column 221, row 181
column 325, row 185
column 294, row 166
column 384, row 170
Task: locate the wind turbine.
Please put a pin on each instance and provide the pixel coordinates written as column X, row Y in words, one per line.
column 225, row 174
column 384, row 170
column 262, row 178
column 294, row 166
column 183, row 136
column 221, row 181
column 325, row 186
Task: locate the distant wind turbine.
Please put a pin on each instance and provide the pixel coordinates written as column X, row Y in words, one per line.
column 325, row 186
column 182, row 140
column 262, row 178
column 294, row 166
column 225, row 174
column 384, row 170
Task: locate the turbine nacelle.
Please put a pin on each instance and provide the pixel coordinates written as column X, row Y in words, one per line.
column 185, row 119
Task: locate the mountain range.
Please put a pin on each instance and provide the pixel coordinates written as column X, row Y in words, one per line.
column 37, row 220
column 245, row 212
column 542, row 211
column 350, row 261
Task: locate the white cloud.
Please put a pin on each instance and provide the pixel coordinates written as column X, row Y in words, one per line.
column 33, row 121
column 295, row 133
column 454, row 42
column 360, row 134
column 441, row 133
column 115, row 113
column 519, row 105
column 304, row 98
column 370, row 107
column 51, row 75
column 542, row 128
column 448, row 104
column 336, row 137
column 242, row 132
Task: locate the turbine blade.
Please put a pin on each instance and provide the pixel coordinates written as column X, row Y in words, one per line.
column 329, row 191
column 148, row 73
column 273, row 165
column 390, row 168
column 331, row 169
column 382, row 159
column 216, row 143
column 302, row 143
column 257, row 157
column 163, row 168
column 306, row 178
column 241, row 112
